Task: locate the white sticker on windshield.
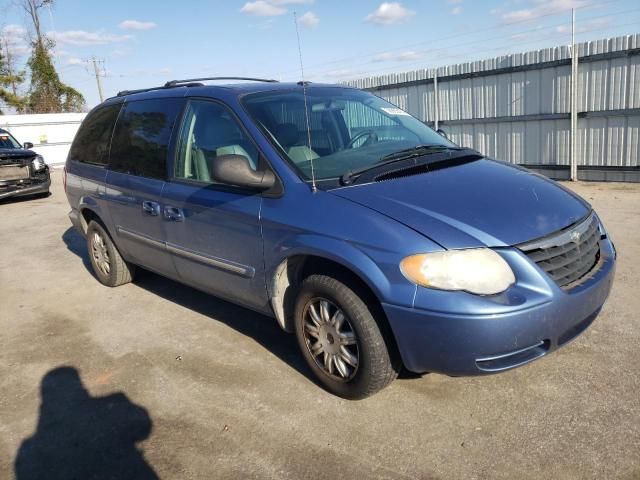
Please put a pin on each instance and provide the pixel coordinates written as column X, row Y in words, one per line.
column 394, row 111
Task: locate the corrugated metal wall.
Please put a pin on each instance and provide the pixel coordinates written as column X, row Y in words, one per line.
column 517, row 107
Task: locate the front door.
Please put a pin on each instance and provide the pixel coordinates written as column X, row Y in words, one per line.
column 213, row 230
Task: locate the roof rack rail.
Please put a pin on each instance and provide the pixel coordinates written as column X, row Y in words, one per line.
column 174, row 83
column 122, row 93
column 191, row 82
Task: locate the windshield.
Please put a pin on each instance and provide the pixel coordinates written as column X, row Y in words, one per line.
column 350, row 129
column 7, row 141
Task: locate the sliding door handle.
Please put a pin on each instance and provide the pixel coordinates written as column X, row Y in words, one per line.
column 173, row 214
column 151, row 208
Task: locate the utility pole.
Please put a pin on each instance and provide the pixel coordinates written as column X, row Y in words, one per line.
column 95, row 69
column 574, row 100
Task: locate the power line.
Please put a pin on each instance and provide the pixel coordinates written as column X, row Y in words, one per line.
column 442, row 39
column 511, row 34
column 360, row 74
column 551, row 35
column 430, row 52
column 448, row 47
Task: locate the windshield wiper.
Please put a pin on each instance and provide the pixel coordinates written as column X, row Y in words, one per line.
column 417, row 151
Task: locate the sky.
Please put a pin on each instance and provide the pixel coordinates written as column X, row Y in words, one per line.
column 146, row 43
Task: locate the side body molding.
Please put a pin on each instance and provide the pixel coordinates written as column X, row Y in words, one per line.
column 242, row 270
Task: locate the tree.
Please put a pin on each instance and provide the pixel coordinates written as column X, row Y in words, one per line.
column 10, row 79
column 47, row 93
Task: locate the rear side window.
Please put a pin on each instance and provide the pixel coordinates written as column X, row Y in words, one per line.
column 141, row 139
column 91, row 144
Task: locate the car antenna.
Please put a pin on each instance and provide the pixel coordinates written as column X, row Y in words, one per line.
column 306, row 107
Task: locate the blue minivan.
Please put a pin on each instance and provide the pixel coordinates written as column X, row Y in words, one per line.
column 373, row 238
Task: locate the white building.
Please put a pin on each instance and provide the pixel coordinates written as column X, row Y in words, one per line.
column 50, row 133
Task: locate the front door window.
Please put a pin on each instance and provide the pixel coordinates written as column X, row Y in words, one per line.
column 209, row 131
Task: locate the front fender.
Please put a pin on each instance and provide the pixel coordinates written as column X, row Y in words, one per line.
column 379, row 269
column 365, row 242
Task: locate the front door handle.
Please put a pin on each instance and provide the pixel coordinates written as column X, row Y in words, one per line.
column 174, row 214
column 151, row 208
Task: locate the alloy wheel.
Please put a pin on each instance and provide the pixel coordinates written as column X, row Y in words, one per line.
column 100, row 254
column 331, row 339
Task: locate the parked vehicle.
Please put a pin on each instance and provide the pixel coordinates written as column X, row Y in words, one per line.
column 22, row 171
column 377, row 241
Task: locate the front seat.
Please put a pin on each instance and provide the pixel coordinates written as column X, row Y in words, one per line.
column 288, row 137
column 219, row 136
column 199, row 153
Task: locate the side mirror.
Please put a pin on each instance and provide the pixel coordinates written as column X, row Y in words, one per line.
column 442, row 133
column 235, row 170
column 27, row 145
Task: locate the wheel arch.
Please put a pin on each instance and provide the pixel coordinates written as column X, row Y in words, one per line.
column 90, row 210
column 87, row 214
column 292, row 270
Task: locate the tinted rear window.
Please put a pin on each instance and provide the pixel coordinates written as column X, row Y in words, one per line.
column 91, row 144
column 141, row 139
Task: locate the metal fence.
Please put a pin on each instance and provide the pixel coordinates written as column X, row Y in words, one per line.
column 517, row 107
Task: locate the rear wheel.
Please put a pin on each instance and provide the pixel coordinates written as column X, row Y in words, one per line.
column 340, row 339
column 108, row 265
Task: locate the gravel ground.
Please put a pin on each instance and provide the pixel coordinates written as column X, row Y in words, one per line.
column 154, row 379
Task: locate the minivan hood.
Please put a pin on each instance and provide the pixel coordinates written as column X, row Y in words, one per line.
column 480, row 203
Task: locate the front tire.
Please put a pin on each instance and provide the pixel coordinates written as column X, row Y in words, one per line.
column 108, row 265
column 341, row 340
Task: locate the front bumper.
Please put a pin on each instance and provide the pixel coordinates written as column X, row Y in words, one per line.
column 459, row 334
column 31, row 186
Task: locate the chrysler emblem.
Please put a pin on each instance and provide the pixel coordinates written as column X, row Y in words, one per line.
column 575, row 237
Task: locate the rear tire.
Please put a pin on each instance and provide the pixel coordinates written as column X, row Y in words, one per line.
column 108, row 265
column 341, row 340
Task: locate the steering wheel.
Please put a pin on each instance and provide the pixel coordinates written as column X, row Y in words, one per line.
column 369, row 134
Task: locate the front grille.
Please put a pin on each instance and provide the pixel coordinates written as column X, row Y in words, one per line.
column 569, row 255
column 16, row 158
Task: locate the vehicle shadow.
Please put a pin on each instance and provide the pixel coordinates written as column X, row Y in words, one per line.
column 80, row 436
column 24, row 199
column 264, row 330
column 77, row 245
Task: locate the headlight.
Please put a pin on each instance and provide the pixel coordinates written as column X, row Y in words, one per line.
column 478, row 270
column 38, row 163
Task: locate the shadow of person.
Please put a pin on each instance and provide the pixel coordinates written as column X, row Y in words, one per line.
column 84, row 437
